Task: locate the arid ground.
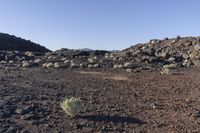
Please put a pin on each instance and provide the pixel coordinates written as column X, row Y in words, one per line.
column 114, row 101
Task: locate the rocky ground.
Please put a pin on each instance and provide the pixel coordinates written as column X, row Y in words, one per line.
column 113, row 101
column 151, row 87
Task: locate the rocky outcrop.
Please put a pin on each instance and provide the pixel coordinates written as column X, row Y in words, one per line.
column 165, row 55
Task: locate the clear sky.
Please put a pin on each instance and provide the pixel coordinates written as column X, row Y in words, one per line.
column 98, row 24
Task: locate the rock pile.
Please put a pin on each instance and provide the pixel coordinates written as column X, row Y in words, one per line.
column 166, row 55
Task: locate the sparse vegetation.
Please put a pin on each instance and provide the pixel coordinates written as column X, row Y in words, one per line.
column 72, row 106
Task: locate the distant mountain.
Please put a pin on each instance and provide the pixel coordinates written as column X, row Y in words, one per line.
column 13, row 43
column 86, row 49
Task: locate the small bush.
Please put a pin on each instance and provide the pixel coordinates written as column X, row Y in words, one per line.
column 72, row 106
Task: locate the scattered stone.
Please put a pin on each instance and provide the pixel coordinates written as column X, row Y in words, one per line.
column 10, row 56
column 127, row 65
column 74, row 65
column 10, row 61
column 197, row 114
column 170, row 66
column 30, row 117
column 157, row 105
column 49, row 65
column 129, row 70
column 3, row 62
column 67, row 61
column 20, row 111
column 168, row 71
column 171, row 59
column 44, row 65
column 25, row 64
column 30, row 54
column 63, row 59
column 90, row 60
column 107, row 56
column 118, row 66
column 153, row 41
column 186, row 63
column 96, row 65
column 90, row 66
column 57, row 65
column 38, row 61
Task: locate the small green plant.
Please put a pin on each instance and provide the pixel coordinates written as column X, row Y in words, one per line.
column 72, row 106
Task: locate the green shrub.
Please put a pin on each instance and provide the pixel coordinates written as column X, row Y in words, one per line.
column 72, row 106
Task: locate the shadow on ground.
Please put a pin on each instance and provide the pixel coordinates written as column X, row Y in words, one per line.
column 114, row 119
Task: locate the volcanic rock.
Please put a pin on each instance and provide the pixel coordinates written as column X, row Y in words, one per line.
column 13, row 43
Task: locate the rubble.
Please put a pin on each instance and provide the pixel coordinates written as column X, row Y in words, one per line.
column 154, row 55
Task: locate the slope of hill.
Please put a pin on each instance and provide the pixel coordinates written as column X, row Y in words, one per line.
column 13, row 43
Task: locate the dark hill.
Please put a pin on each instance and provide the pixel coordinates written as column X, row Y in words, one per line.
column 13, row 43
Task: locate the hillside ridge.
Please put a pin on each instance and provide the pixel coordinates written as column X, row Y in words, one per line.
column 13, row 43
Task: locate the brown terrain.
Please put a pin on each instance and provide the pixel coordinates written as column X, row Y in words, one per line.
column 147, row 88
column 113, row 101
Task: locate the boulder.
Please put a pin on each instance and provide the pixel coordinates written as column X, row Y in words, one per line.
column 120, row 66
column 10, row 56
column 48, row 65
column 90, row 66
column 57, row 65
column 67, row 61
column 30, row 54
column 96, row 65
column 74, row 65
column 129, row 70
column 170, row 66
column 29, row 64
column 128, row 65
column 168, row 71
column 25, row 64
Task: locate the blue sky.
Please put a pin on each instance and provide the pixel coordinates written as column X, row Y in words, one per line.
column 98, row 24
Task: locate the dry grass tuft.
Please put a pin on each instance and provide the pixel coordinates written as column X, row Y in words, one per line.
column 72, row 106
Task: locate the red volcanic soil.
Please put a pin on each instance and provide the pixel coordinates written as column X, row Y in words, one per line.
column 113, row 101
